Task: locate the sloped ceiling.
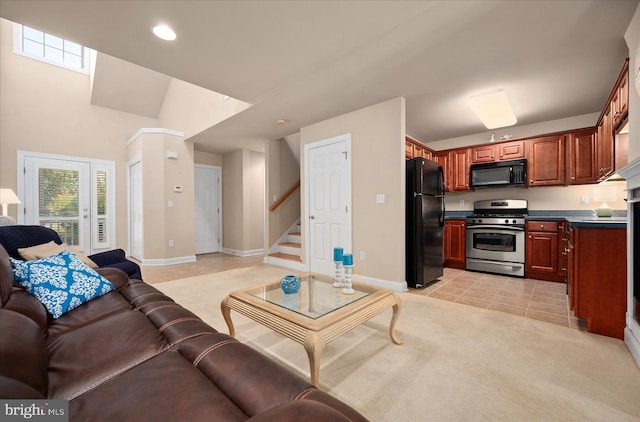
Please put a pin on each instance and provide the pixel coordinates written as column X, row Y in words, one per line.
column 125, row 86
column 306, row 61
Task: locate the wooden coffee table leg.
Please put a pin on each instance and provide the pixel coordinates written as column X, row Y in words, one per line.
column 396, row 313
column 314, row 346
column 226, row 313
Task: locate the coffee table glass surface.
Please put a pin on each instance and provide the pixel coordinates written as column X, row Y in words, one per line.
column 316, row 297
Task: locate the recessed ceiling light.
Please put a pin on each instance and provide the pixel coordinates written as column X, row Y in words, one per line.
column 164, row 32
column 493, row 109
column 281, row 121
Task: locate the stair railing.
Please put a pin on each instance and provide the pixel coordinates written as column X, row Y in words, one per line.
column 285, row 196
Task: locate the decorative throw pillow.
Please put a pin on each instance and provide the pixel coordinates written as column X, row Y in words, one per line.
column 61, row 282
column 48, row 249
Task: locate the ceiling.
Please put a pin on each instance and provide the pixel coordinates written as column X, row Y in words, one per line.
column 306, row 61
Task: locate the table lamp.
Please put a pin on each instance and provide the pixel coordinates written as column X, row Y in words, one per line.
column 7, row 197
column 604, row 194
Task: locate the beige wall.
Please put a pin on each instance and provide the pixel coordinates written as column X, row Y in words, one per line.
column 283, row 172
column 207, row 158
column 44, row 108
column 254, row 201
column 160, row 175
column 632, row 37
column 192, row 109
column 378, row 167
column 560, row 125
column 232, row 207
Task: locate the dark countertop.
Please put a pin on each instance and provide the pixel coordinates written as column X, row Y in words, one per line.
column 576, row 218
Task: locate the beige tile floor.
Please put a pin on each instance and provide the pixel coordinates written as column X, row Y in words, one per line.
column 204, row 264
column 536, row 299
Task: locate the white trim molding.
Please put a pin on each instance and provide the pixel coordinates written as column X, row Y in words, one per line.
column 236, row 252
column 631, row 173
column 378, row 282
column 168, row 261
column 154, row 130
column 286, row 263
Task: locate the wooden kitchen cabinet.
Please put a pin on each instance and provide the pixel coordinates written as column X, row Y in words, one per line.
column 597, row 278
column 455, row 243
column 620, row 96
column 605, row 142
column 459, row 162
column 546, row 160
column 581, row 157
column 413, row 149
column 442, row 158
column 542, row 257
column 501, row 151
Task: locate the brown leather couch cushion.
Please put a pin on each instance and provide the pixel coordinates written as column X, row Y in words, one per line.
column 22, row 351
column 85, row 357
column 165, row 388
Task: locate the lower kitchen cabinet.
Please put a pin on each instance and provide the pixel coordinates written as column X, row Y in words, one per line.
column 543, row 249
column 597, row 277
column 455, row 242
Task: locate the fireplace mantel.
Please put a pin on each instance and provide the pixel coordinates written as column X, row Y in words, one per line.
column 631, row 173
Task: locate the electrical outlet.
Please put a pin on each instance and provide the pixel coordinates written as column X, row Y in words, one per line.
column 380, row 198
column 461, row 203
column 362, row 256
column 171, row 243
column 584, row 200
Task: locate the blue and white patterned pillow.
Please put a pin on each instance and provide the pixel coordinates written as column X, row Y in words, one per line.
column 61, row 282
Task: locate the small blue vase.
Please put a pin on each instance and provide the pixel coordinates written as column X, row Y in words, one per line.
column 290, row 284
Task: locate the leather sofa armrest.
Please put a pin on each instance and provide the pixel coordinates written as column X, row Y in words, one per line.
column 104, row 259
column 117, row 277
column 301, row 410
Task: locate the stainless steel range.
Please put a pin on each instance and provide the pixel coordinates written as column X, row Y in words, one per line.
column 495, row 236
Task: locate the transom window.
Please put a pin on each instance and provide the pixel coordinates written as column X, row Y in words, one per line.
column 49, row 48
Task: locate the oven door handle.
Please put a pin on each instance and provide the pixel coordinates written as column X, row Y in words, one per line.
column 492, row 227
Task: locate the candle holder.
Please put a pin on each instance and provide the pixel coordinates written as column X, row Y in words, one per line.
column 348, row 271
column 338, row 281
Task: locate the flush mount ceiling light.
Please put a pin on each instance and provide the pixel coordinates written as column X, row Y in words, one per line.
column 164, row 32
column 493, row 109
column 281, row 121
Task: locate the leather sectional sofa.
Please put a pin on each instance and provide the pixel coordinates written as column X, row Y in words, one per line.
column 134, row 354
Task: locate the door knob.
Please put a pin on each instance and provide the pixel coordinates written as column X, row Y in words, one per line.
column 313, row 217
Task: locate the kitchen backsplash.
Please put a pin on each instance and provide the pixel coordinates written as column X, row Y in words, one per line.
column 552, row 198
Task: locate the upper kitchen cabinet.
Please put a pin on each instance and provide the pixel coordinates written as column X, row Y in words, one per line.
column 546, row 160
column 488, row 153
column 442, row 158
column 615, row 112
column 620, row 96
column 459, row 162
column 581, row 157
column 413, row 149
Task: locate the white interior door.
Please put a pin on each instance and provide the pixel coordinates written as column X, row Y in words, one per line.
column 207, row 209
column 136, row 216
column 329, row 201
column 57, row 196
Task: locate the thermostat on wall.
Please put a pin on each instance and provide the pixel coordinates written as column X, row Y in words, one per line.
column 172, row 155
column 177, row 189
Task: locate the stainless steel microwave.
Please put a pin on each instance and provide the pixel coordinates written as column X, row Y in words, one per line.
column 501, row 173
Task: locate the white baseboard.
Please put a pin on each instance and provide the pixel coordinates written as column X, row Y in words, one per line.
column 385, row 284
column 168, row 261
column 251, row 252
column 286, row 263
column 633, row 344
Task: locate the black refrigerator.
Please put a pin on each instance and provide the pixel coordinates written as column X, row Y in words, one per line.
column 424, row 222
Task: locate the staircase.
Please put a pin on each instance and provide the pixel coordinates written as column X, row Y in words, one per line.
column 288, row 246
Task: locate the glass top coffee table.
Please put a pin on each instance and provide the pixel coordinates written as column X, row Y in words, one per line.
column 315, row 315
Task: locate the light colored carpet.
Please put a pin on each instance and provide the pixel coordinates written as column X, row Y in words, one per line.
column 456, row 363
